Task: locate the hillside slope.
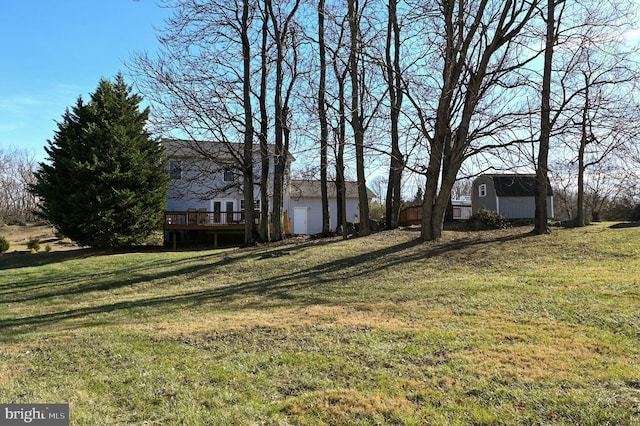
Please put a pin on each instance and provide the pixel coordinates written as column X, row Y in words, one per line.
column 481, row 328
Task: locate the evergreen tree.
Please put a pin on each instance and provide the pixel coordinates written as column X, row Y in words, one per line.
column 104, row 183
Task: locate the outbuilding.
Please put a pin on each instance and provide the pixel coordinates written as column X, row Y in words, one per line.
column 511, row 195
column 305, row 205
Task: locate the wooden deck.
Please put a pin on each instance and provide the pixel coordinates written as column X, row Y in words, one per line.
column 204, row 220
column 200, row 222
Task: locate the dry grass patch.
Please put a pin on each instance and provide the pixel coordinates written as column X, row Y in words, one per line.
column 342, row 406
column 541, row 350
column 385, row 316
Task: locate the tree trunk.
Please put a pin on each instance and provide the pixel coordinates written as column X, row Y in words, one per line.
column 584, row 140
column 356, row 116
column 280, row 155
column 446, row 163
column 396, row 166
column 341, row 200
column 341, row 185
column 264, row 129
column 247, row 170
column 281, row 126
column 324, row 127
column 431, row 219
column 542, row 169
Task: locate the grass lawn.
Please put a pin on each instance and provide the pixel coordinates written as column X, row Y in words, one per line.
column 496, row 327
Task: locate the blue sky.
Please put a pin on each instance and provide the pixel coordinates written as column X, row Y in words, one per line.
column 54, row 51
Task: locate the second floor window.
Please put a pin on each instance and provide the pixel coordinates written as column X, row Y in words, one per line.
column 482, row 190
column 175, row 169
column 227, row 176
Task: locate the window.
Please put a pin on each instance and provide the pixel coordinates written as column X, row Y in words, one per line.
column 175, row 169
column 482, row 190
column 227, row 176
column 256, row 205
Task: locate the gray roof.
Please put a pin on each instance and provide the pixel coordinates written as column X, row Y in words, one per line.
column 515, row 185
column 180, row 148
column 311, row 189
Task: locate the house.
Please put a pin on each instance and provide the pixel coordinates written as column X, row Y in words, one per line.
column 205, row 198
column 305, row 205
column 511, row 195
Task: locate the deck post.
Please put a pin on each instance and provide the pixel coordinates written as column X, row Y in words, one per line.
column 215, row 240
column 174, row 240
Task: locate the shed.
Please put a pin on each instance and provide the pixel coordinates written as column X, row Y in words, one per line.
column 511, row 195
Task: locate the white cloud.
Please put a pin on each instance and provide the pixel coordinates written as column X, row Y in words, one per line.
column 632, row 35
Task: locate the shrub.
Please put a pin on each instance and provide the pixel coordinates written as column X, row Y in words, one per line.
column 4, row 244
column 33, row 244
column 106, row 181
column 488, row 219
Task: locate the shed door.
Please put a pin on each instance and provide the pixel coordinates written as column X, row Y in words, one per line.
column 300, row 220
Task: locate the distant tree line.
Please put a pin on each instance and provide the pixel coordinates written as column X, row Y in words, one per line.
column 17, row 204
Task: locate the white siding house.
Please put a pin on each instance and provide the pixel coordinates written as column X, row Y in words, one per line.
column 206, row 192
column 305, row 206
column 205, row 177
column 205, row 198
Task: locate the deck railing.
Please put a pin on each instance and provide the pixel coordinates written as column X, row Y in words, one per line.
column 202, row 218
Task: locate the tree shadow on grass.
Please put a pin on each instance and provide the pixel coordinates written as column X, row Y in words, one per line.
column 623, row 225
column 24, row 259
column 286, row 289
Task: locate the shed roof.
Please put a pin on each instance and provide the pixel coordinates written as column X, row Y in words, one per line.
column 516, row 185
column 303, row 188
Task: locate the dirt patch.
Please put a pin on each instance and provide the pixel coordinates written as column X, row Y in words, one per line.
column 18, row 236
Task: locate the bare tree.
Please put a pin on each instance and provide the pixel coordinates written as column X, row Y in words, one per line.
column 200, row 86
column 479, row 48
column 394, row 82
column 282, row 32
column 357, row 115
column 264, row 126
column 542, row 166
column 585, row 90
column 17, row 203
column 340, row 71
column 322, row 115
column 605, row 126
column 247, row 158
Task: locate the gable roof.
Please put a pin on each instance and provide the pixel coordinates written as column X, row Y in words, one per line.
column 304, row 188
column 515, row 185
column 183, row 149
